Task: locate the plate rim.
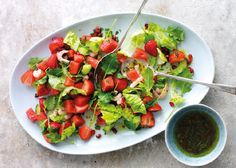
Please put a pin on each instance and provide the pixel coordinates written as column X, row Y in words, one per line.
column 115, row 148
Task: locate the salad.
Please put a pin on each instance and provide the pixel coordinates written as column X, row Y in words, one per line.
column 127, row 93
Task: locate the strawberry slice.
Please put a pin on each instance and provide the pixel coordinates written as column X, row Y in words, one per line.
column 85, row 132
column 176, row 56
column 151, row 47
column 100, row 121
column 69, row 106
column 71, row 54
column 147, row 99
column 81, row 109
column 120, row 84
column 92, row 61
column 69, row 81
column 55, row 125
column 107, row 84
column 147, row 120
column 42, row 116
column 88, row 87
column 81, row 100
column 31, row 115
column 56, row 44
column 140, row 54
column 154, row 108
column 132, row 75
column 54, row 92
column 79, row 85
column 41, row 103
column 27, row 78
column 78, row 120
column 121, row 57
column 42, row 90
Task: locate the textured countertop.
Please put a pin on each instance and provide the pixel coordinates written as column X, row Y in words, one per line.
column 24, row 22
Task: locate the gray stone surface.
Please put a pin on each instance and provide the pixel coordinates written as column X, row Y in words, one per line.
column 24, row 22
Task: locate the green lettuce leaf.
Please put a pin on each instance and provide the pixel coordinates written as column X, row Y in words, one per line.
column 105, row 97
column 148, row 79
column 160, row 83
column 179, row 88
column 107, row 33
column 152, row 61
column 37, row 109
column 151, row 103
column 180, row 68
column 54, row 137
column 110, row 113
column 43, row 126
column 148, row 37
column 56, row 82
column 161, row 59
column 135, row 102
column 72, row 40
column 83, row 50
column 107, row 128
column 66, row 133
column 184, row 87
column 50, row 102
column 55, row 117
column 71, row 90
column 176, row 98
column 33, row 62
column 138, row 38
column 41, row 81
column 176, row 33
column 160, row 36
column 131, row 121
column 93, row 46
column 58, row 72
column 97, row 40
column 168, row 38
column 110, row 64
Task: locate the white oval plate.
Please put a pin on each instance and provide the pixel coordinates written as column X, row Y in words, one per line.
column 22, row 97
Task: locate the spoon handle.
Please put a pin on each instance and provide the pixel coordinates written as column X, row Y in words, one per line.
column 131, row 24
column 216, row 86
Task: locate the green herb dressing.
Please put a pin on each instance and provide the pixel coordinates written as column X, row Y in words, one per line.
column 196, row 134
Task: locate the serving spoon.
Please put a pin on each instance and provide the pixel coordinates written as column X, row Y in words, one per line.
column 97, row 71
column 221, row 87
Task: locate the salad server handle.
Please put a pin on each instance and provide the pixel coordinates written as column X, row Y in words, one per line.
column 222, row 87
column 130, row 25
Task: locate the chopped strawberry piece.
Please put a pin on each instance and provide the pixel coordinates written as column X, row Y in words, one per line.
column 140, row 54
column 81, row 100
column 176, row 56
column 107, row 84
column 132, row 75
column 120, row 84
column 147, row 120
column 81, row 109
column 151, row 47
column 78, row 120
column 55, row 125
column 85, row 132
column 69, row 81
column 31, row 115
column 69, row 106
column 100, row 121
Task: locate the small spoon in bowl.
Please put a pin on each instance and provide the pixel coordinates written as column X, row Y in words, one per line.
column 98, row 71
